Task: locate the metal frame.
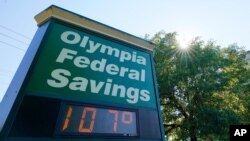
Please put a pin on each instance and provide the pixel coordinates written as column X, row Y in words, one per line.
column 15, row 94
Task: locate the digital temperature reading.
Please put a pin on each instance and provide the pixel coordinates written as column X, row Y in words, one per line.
column 85, row 120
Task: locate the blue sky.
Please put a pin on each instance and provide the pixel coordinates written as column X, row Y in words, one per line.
column 225, row 21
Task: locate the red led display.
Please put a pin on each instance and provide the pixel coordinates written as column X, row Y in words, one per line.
column 83, row 120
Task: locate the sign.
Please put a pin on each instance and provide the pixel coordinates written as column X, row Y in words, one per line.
column 84, row 67
column 85, row 81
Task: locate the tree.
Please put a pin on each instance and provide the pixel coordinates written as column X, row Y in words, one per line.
column 201, row 88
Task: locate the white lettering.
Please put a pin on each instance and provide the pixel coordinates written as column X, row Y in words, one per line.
column 144, row 95
column 93, row 47
column 81, row 62
column 240, row 132
column 108, row 87
column 112, row 69
column 141, row 60
column 125, row 56
column 97, row 65
column 70, row 37
column 110, row 50
column 84, row 41
column 95, row 88
column 65, row 54
column 133, row 95
column 237, row 132
column 79, row 84
column 134, row 74
column 59, row 80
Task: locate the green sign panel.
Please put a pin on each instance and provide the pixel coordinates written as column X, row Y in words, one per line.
column 81, row 66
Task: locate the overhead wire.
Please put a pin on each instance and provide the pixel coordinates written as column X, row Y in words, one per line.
column 13, row 46
column 5, row 35
column 10, row 37
column 6, row 28
column 6, row 73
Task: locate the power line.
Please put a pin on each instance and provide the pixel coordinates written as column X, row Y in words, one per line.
column 12, row 46
column 13, row 38
column 15, row 32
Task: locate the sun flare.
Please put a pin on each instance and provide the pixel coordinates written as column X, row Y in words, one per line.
column 184, row 48
column 184, row 40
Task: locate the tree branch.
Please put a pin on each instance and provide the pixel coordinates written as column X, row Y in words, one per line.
column 176, row 105
column 171, row 127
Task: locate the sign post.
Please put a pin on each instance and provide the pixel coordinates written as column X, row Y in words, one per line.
column 87, row 81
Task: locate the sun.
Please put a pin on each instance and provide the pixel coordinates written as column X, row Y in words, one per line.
column 184, row 48
column 184, row 40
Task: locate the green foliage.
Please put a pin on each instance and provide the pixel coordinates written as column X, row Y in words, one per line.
column 203, row 89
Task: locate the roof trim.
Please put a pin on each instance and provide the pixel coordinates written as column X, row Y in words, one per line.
column 84, row 22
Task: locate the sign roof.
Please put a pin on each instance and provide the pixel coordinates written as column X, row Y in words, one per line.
column 83, row 22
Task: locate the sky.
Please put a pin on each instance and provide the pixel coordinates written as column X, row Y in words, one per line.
column 224, row 21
